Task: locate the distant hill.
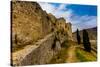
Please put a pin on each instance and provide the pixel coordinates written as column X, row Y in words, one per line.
column 91, row 31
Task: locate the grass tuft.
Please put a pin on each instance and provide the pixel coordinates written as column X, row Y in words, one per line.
column 84, row 56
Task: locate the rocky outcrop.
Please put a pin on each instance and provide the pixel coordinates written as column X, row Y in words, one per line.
column 29, row 22
column 38, row 33
column 68, row 29
column 39, row 53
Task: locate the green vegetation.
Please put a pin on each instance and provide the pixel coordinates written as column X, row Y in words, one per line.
column 61, row 56
column 81, row 54
column 86, row 42
column 84, row 56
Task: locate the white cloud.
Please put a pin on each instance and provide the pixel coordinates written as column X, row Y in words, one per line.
column 84, row 22
column 57, row 11
column 62, row 7
column 48, row 7
column 80, row 22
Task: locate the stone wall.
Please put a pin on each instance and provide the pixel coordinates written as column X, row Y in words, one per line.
column 29, row 23
column 38, row 33
column 39, row 53
column 68, row 29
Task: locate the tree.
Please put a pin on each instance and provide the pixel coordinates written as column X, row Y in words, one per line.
column 86, row 42
column 78, row 37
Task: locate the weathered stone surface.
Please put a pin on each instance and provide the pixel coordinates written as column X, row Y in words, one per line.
column 41, row 34
column 39, row 53
column 68, row 29
column 58, row 46
column 29, row 22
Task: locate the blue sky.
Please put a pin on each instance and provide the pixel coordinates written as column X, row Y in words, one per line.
column 81, row 16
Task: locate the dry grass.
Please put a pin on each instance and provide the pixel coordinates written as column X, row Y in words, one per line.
column 61, row 56
column 84, row 56
column 81, row 54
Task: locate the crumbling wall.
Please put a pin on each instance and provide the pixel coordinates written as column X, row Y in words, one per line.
column 29, row 23
column 39, row 53
column 41, row 34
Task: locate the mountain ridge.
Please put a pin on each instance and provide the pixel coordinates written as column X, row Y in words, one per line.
column 91, row 31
